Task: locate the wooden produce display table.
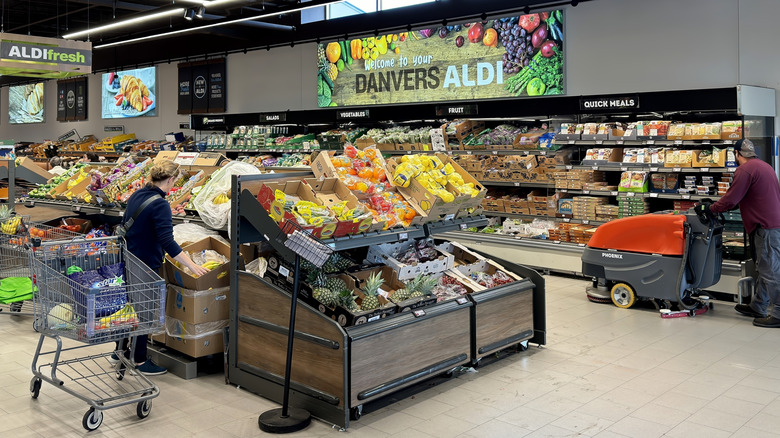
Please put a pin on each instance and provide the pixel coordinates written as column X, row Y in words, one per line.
column 335, row 369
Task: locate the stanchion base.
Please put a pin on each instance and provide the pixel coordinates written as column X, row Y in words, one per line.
column 273, row 422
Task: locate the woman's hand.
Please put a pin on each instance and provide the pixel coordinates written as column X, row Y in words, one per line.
column 198, row 270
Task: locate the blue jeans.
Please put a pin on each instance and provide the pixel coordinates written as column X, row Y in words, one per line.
column 766, row 298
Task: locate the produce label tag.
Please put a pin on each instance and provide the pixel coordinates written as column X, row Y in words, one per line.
column 516, row 56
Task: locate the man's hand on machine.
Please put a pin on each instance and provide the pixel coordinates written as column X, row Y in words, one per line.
column 703, row 207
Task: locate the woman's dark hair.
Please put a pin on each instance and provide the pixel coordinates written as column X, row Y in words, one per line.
column 92, row 157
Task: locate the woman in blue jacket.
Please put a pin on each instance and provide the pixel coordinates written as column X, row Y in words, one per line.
column 151, row 236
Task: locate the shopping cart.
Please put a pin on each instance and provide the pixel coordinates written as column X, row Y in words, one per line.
column 95, row 291
column 16, row 235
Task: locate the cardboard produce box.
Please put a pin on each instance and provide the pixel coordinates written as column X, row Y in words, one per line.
column 383, row 254
column 332, row 191
column 432, row 205
column 275, row 208
column 196, row 307
column 216, row 278
column 392, row 284
column 200, row 347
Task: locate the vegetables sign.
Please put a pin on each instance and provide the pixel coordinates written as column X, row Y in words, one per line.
column 505, row 57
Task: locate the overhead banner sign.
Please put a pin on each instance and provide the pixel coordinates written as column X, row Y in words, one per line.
column 203, row 87
column 609, row 103
column 507, row 57
column 31, row 56
column 72, row 99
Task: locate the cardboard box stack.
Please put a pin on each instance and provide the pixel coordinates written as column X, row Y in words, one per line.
column 197, row 308
column 606, row 212
column 584, row 207
column 542, row 204
column 578, row 179
column 682, row 206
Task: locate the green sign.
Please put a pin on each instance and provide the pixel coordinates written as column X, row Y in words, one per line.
column 505, row 57
column 30, row 56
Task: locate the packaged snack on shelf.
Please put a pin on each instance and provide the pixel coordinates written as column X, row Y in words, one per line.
column 678, row 158
column 709, row 158
column 353, row 216
column 731, row 130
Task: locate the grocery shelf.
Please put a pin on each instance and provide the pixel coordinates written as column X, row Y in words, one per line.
column 644, row 142
column 518, row 184
column 288, row 168
column 638, row 195
column 375, row 238
column 478, row 152
column 615, row 167
column 262, row 151
column 531, row 216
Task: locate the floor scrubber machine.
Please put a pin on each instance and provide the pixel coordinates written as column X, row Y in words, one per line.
column 663, row 257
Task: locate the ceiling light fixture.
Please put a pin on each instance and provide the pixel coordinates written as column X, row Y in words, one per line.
column 201, row 10
column 123, row 23
column 224, row 23
column 189, row 14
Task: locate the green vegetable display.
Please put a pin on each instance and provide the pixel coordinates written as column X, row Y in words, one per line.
column 548, row 70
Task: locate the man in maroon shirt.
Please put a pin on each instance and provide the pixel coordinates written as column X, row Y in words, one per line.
column 756, row 191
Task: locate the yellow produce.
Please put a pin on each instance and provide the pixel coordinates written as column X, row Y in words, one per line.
column 333, row 52
column 430, row 172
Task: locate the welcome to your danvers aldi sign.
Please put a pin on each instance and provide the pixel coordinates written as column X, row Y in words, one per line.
column 506, row 57
column 31, row 56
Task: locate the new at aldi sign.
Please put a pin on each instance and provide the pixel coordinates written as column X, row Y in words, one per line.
column 30, row 56
column 515, row 56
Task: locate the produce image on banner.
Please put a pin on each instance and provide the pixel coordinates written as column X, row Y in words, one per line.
column 25, row 103
column 506, row 57
column 129, row 93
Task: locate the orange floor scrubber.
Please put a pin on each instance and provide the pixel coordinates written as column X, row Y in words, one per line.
column 662, row 257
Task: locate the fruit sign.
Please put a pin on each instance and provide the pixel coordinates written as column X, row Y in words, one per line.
column 506, row 57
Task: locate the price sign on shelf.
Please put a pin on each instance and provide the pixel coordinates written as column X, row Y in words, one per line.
column 653, row 195
column 678, row 142
column 571, row 141
column 653, row 169
column 686, row 196
column 704, row 169
column 403, row 236
column 495, row 152
column 677, row 169
column 517, row 184
column 569, row 167
column 650, row 141
column 543, row 153
column 463, row 226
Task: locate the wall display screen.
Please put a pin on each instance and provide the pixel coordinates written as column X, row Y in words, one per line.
column 129, row 93
column 25, row 103
column 72, row 99
column 506, row 57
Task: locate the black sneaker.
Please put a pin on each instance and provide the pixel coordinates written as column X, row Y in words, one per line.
column 150, row 368
column 113, row 358
column 769, row 322
column 748, row 311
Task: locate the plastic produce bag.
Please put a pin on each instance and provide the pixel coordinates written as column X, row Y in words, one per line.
column 218, row 215
column 257, row 266
column 185, row 234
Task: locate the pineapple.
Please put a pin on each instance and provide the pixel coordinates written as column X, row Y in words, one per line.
column 321, row 58
column 316, row 279
column 373, row 283
column 425, row 287
column 336, row 263
column 410, row 286
column 335, row 284
column 325, row 296
column 333, row 71
column 346, row 299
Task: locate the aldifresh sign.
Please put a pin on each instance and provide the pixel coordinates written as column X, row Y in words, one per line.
column 31, row 56
column 39, row 53
column 516, row 56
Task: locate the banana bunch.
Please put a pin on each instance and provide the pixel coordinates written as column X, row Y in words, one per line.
column 124, row 316
column 222, row 198
column 11, row 225
column 211, row 265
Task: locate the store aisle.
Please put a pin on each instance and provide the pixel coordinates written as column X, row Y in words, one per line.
column 607, row 372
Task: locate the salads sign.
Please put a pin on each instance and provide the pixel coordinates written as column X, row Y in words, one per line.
column 506, row 57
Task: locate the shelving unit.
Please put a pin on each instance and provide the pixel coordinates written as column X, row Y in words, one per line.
column 335, row 370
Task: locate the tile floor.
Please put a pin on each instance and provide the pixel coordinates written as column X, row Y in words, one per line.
column 606, row 372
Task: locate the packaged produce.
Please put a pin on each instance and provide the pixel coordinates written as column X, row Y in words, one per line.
column 432, row 174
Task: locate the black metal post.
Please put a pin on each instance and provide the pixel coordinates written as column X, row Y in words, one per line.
column 286, row 419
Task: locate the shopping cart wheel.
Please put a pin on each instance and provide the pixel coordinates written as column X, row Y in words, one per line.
column 92, row 419
column 144, row 408
column 35, row 387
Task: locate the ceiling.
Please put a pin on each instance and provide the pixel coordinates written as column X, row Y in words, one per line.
column 55, row 18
